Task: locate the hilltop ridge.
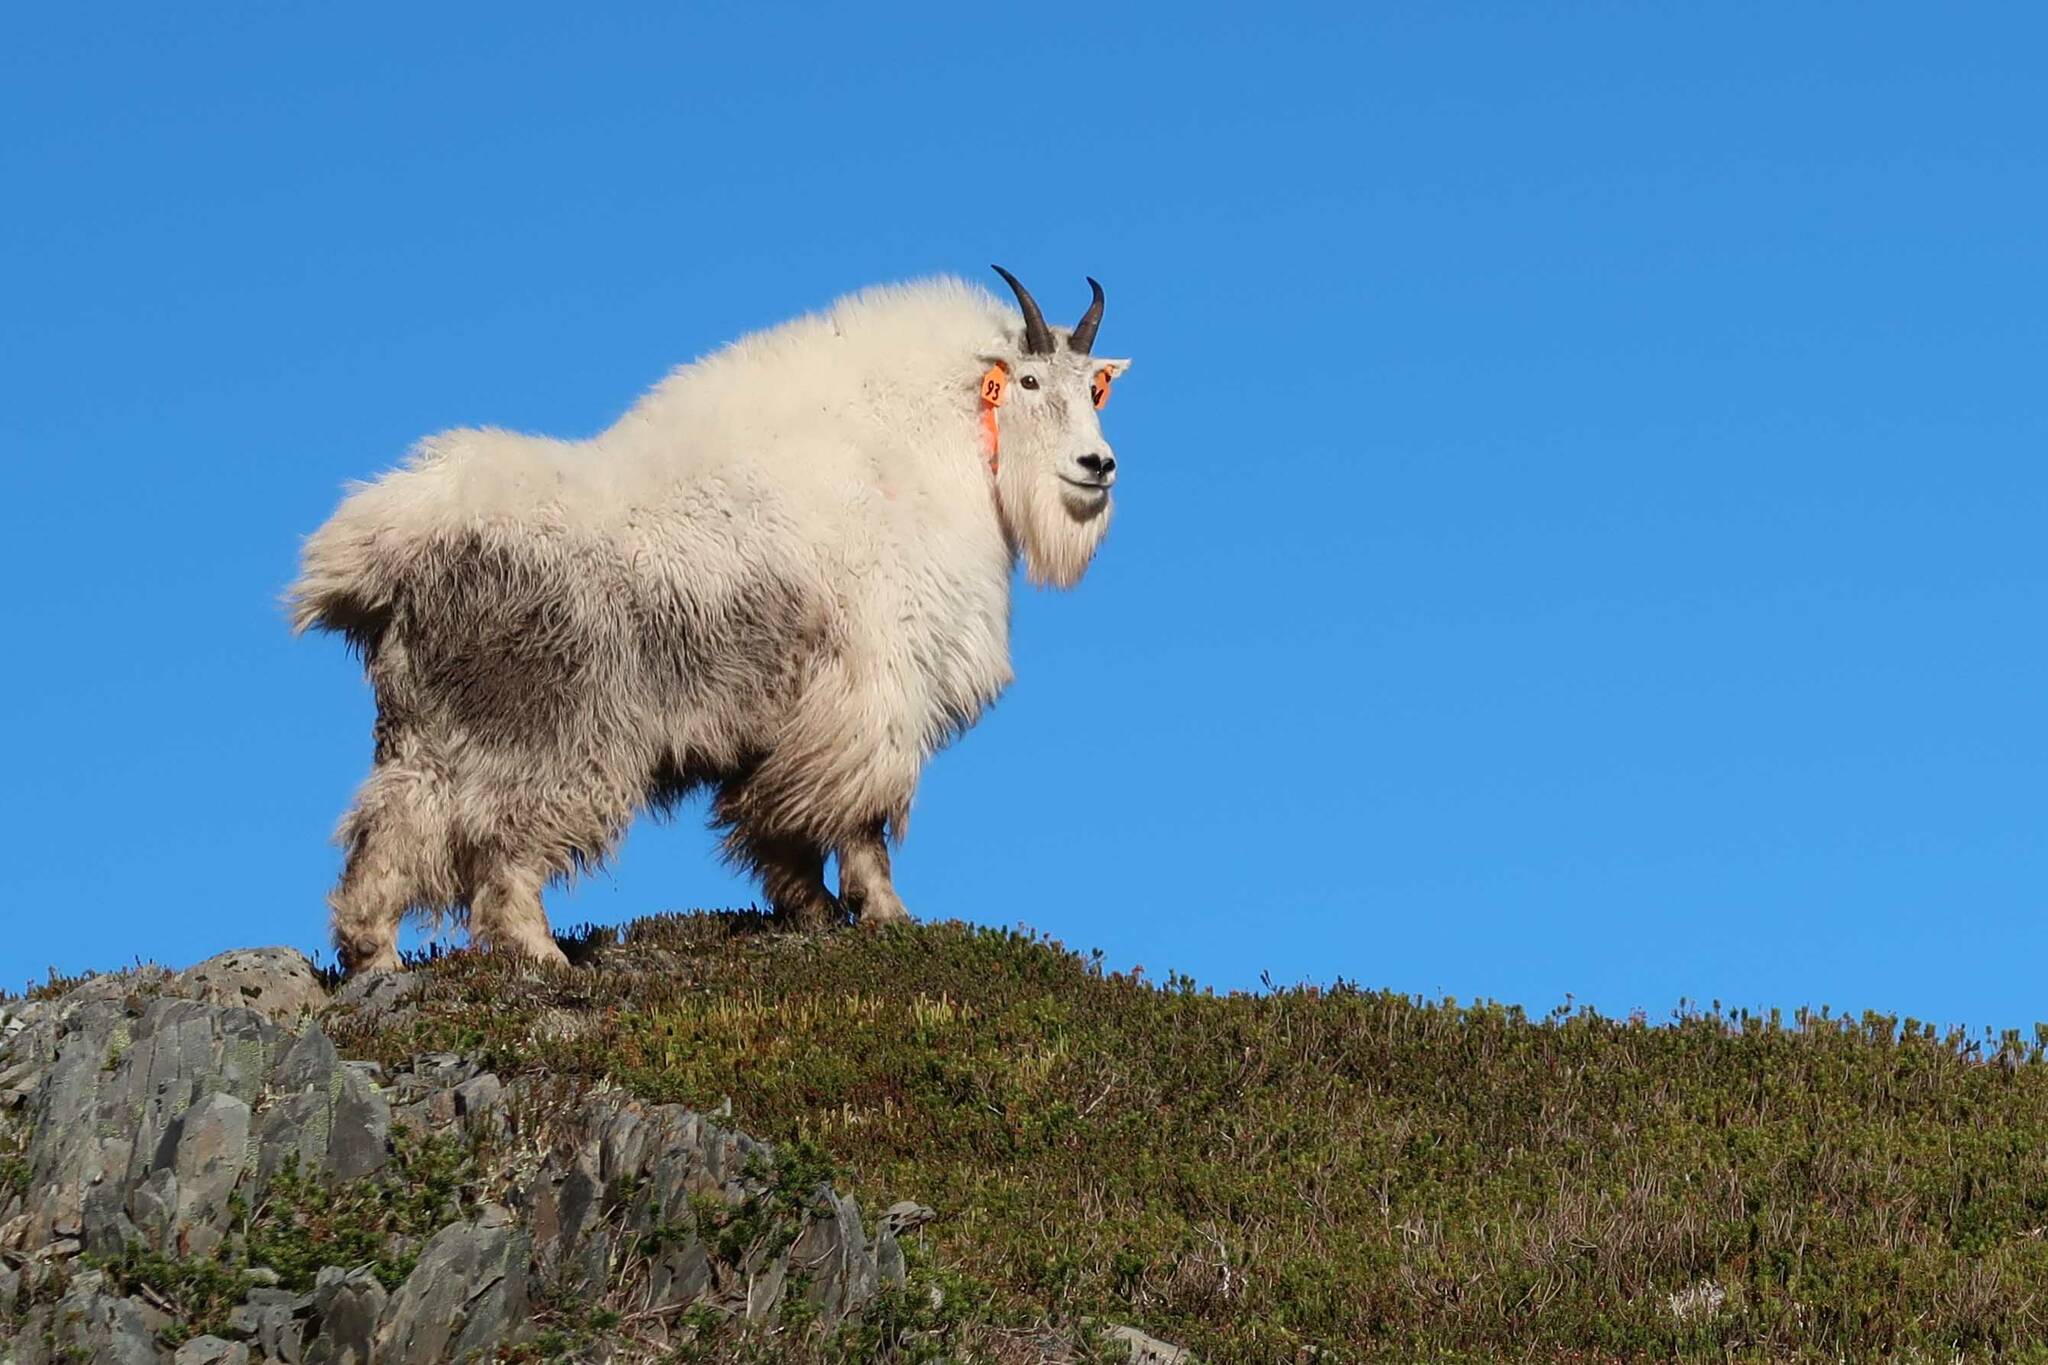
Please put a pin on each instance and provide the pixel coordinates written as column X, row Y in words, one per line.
column 1321, row 1174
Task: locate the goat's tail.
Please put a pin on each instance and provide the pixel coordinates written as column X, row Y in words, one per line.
column 347, row 582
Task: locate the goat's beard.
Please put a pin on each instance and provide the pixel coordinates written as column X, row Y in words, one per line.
column 1056, row 534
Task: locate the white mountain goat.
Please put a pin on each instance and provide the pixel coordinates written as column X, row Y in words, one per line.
column 784, row 574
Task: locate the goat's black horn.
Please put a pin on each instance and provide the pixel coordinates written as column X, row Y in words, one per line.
column 1037, row 336
column 1083, row 336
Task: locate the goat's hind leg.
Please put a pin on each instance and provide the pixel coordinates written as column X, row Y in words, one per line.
column 399, row 855
column 506, row 915
column 379, row 883
column 864, row 882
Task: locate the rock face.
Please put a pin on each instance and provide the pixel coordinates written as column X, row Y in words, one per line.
column 155, row 1107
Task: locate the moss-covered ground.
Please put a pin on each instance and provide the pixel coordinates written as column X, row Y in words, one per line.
column 1330, row 1174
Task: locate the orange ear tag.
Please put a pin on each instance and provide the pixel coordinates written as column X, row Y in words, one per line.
column 1098, row 387
column 993, row 385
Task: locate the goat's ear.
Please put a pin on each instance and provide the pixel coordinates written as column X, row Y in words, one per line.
column 1116, row 368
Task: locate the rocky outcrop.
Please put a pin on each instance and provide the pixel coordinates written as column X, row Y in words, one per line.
column 149, row 1114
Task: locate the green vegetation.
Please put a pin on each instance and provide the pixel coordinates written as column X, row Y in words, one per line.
column 14, row 1171
column 301, row 1225
column 199, row 1292
column 380, row 1222
column 1353, row 1173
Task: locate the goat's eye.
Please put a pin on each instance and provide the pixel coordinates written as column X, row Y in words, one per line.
column 1029, row 381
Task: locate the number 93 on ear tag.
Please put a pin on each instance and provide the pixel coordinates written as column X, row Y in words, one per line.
column 992, row 385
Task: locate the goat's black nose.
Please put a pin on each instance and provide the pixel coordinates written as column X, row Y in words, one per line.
column 1101, row 466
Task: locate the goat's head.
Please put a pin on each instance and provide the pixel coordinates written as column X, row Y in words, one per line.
column 1054, row 470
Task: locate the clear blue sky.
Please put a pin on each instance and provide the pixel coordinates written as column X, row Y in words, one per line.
column 1584, row 476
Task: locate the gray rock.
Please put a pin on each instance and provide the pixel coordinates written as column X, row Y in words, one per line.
column 443, row 1070
column 152, row 1215
column 308, row 1063
column 18, row 1075
column 572, row 1242
column 277, row 983
column 272, row 1319
column 361, row 1140
column 207, row 1146
column 89, row 1323
column 103, row 1226
column 764, row 1287
column 346, row 1308
column 182, row 1051
column 497, row 1308
column 889, row 1264
column 1150, row 1350
column 438, row 1090
column 907, row 1215
column 622, row 1142
column 833, row 1251
column 467, row 1294
column 121, row 989
column 379, row 997
column 480, row 1104
column 108, row 1078
column 15, row 1018
column 211, row 1351
column 295, row 1132
column 683, row 1273
column 330, row 1118
column 62, row 1082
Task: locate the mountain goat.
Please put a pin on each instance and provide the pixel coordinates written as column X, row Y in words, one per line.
column 783, row 575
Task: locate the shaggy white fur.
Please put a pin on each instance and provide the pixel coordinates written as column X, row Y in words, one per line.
column 784, row 573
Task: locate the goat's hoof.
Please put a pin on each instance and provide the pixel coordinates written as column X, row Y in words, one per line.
column 810, row 918
column 361, row 961
column 881, row 912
